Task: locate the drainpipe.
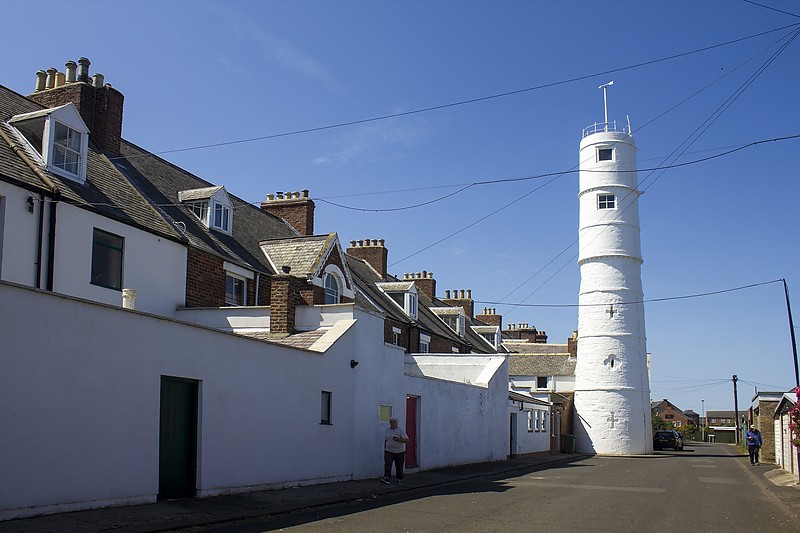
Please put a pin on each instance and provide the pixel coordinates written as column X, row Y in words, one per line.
column 258, row 278
column 51, row 249
column 39, row 241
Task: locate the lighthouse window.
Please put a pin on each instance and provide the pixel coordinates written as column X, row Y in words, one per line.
column 606, row 201
column 605, row 154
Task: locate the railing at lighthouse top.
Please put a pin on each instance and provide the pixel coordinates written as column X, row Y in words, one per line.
column 602, row 127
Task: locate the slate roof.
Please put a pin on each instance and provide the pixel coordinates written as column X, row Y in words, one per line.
column 198, row 194
column 303, row 340
column 535, row 348
column 161, row 182
column 541, row 365
column 518, row 397
column 105, row 191
column 302, row 254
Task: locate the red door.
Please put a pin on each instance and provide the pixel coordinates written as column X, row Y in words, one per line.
column 411, row 431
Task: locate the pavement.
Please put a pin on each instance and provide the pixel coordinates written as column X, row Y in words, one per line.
column 195, row 512
column 198, row 512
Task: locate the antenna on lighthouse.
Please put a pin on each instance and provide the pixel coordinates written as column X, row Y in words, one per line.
column 605, row 100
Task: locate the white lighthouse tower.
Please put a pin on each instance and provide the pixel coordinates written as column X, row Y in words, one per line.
column 612, row 387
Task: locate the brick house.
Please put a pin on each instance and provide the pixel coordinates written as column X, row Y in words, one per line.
column 761, row 415
column 670, row 413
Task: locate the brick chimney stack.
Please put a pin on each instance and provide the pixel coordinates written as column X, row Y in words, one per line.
column 490, row 317
column 373, row 252
column 464, row 299
column 284, row 299
column 296, row 208
column 424, row 282
column 99, row 104
column 524, row 331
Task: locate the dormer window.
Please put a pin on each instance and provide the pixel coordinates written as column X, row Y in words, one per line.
column 490, row 334
column 58, row 137
column 404, row 294
column 452, row 316
column 211, row 205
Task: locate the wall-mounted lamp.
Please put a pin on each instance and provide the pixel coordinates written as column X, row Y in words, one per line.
column 30, row 204
column 353, row 363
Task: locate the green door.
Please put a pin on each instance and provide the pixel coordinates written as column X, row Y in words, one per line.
column 177, row 457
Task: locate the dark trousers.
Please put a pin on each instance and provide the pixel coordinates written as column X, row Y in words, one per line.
column 753, row 451
column 398, row 459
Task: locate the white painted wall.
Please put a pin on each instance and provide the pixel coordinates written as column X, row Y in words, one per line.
column 153, row 266
column 536, row 440
column 79, row 388
column 459, row 423
column 19, row 235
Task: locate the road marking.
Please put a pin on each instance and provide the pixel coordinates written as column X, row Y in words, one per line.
column 590, row 487
column 719, row 480
column 704, row 466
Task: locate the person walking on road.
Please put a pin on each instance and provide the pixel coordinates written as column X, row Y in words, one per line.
column 754, row 441
column 394, row 451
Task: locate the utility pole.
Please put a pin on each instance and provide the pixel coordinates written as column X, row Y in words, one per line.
column 794, row 349
column 736, row 406
column 703, row 421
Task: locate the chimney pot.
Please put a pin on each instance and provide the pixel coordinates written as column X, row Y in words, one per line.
column 97, row 80
column 360, row 243
column 430, row 275
column 447, row 295
column 41, row 80
column 70, row 68
column 279, row 195
column 60, row 79
column 305, row 193
column 270, row 197
column 381, row 242
column 51, row 77
column 374, row 242
column 83, row 69
column 462, row 294
column 352, row 244
column 469, row 294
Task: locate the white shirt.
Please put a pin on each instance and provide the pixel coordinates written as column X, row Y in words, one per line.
column 392, row 445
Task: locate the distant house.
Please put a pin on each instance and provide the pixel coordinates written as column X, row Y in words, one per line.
column 671, row 414
column 721, row 426
column 785, row 451
column 761, row 414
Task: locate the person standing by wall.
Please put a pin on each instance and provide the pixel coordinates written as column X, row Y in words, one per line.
column 394, row 451
column 754, row 440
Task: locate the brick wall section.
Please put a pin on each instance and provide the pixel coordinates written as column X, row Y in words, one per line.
column 335, row 258
column 205, row 280
column 373, row 252
column 766, row 426
column 286, row 295
column 388, row 333
column 572, row 346
column 490, row 318
column 523, row 332
column 298, row 210
column 99, row 107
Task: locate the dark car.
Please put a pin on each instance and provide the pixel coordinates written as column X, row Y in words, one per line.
column 667, row 439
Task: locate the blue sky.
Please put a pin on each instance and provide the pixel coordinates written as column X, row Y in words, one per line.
column 202, row 73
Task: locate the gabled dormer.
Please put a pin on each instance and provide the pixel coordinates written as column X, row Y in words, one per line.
column 57, row 138
column 404, row 294
column 454, row 317
column 211, row 205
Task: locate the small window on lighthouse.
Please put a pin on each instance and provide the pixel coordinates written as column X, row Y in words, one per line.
column 605, row 154
column 606, row 201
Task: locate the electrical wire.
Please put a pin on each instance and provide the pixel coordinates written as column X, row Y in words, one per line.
column 466, row 102
column 771, row 8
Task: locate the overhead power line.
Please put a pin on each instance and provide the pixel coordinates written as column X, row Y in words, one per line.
column 471, row 100
column 636, row 302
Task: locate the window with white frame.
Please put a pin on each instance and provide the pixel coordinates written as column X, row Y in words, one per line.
column 235, row 289
column 538, row 421
column 396, row 336
column 332, row 289
column 606, row 201
column 222, row 217
column 544, row 421
column 530, row 421
column 424, row 343
column 199, row 209
column 605, row 154
column 541, row 382
column 410, row 302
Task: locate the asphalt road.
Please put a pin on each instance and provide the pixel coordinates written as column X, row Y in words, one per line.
column 707, row 487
